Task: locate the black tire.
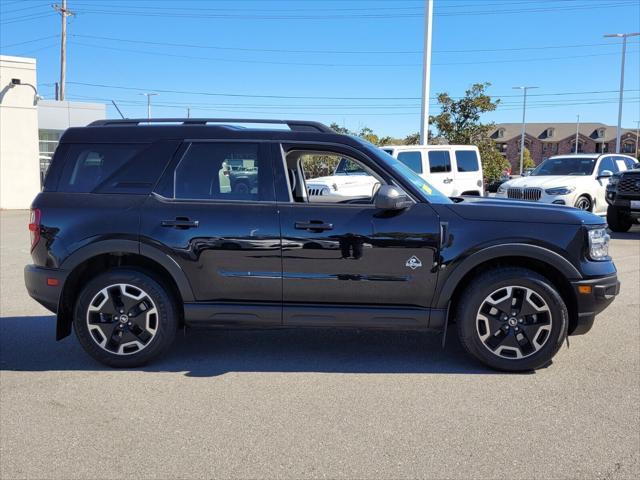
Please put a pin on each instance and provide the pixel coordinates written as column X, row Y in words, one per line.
column 474, row 298
column 163, row 314
column 583, row 202
column 618, row 219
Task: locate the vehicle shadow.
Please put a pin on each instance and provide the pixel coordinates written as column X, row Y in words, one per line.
column 28, row 344
column 632, row 234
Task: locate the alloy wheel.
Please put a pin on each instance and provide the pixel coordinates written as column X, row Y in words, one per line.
column 514, row 322
column 583, row 203
column 122, row 319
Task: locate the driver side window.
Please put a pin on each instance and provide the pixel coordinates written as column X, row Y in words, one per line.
column 329, row 177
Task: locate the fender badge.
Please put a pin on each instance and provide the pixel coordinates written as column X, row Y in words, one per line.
column 413, row 263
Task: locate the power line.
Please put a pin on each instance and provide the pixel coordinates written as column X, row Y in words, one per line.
column 349, row 65
column 308, row 97
column 350, row 52
column 29, row 41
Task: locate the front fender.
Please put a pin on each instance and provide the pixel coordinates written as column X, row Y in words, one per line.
column 494, row 252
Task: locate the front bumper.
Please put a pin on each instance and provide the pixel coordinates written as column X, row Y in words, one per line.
column 594, row 296
column 45, row 285
column 623, row 201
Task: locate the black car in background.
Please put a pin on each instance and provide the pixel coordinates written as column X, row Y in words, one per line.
column 623, row 197
column 137, row 233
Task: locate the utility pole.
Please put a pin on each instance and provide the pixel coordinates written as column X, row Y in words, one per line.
column 426, row 71
column 637, row 135
column 188, row 112
column 577, row 132
column 624, row 37
column 524, row 111
column 148, row 95
column 64, row 13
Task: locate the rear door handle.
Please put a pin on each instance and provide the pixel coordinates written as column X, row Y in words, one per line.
column 180, row 223
column 314, row 225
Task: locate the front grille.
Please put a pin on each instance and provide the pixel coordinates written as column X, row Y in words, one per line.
column 629, row 184
column 531, row 194
column 316, row 190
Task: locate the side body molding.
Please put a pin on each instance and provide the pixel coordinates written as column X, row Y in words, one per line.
column 524, row 250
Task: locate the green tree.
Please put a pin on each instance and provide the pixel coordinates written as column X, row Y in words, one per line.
column 493, row 162
column 412, row 139
column 459, row 120
column 527, row 161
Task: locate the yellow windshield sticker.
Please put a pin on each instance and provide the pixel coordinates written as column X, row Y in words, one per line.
column 427, row 189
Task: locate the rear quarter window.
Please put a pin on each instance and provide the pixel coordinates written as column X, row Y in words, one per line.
column 467, row 161
column 114, row 168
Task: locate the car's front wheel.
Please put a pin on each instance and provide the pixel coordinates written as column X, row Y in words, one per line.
column 125, row 318
column 583, row 203
column 512, row 319
column 618, row 219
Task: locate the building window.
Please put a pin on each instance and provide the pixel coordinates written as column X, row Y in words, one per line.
column 501, row 133
column 629, row 146
column 554, row 148
column 601, row 133
column 550, row 132
column 580, row 146
column 48, row 141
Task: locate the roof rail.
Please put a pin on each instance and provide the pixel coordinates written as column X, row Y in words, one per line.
column 294, row 125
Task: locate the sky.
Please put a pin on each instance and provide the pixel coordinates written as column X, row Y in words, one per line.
column 354, row 62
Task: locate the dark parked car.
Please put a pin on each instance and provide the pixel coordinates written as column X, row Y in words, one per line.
column 134, row 236
column 623, row 197
column 493, row 185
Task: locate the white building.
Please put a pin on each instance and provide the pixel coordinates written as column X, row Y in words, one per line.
column 30, row 129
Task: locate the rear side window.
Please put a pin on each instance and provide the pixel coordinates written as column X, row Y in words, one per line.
column 223, row 171
column 467, row 161
column 439, row 161
column 413, row 160
column 89, row 165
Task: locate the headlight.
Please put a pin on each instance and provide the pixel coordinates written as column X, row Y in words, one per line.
column 502, row 188
column 560, row 190
column 614, row 180
column 598, row 244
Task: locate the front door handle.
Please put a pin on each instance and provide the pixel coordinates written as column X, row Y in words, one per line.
column 314, row 226
column 447, row 180
column 181, row 223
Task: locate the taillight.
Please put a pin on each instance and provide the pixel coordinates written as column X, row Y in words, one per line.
column 34, row 226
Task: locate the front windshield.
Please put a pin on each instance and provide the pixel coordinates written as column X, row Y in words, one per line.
column 429, row 193
column 566, row 166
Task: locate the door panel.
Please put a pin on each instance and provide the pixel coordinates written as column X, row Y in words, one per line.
column 215, row 215
column 364, row 259
column 233, row 254
column 441, row 174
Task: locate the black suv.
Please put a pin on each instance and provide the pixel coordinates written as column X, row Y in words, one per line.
column 623, row 197
column 136, row 233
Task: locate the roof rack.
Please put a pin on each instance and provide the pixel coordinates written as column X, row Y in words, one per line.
column 294, row 125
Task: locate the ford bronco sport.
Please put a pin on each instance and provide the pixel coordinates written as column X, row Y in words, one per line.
column 134, row 236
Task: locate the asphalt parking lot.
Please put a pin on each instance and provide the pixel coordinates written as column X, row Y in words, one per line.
column 314, row 404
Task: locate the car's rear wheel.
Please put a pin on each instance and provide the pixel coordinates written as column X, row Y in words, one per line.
column 512, row 319
column 618, row 219
column 125, row 318
column 583, row 203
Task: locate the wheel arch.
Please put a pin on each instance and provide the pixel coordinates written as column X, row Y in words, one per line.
column 97, row 258
column 545, row 262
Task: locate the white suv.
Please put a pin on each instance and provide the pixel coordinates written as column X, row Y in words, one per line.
column 452, row 169
column 578, row 180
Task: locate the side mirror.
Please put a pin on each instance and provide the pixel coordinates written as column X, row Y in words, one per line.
column 605, row 174
column 391, row 198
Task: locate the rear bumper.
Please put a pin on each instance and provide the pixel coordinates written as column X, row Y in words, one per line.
column 44, row 285
column 602, row 292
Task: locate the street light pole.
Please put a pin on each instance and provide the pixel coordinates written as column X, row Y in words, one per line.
column 426, row 71
column 524, row 112
column 148, row 95
column 577, row 132
column 637, row 135
column 624, row 37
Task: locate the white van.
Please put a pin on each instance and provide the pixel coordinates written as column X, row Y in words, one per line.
column 452, row 169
